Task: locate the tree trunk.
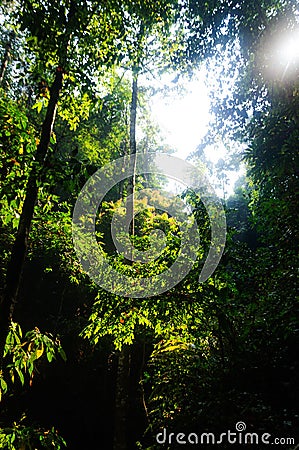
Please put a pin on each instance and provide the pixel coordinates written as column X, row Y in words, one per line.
column 19, row 250
column 5, row 61
column 122, row 382
column 133, row 149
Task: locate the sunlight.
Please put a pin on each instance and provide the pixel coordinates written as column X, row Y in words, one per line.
column 184, row 119
column 288, row 50
column 281, row 55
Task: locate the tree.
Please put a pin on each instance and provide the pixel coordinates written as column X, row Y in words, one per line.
column 192, row 352
column 55, row 39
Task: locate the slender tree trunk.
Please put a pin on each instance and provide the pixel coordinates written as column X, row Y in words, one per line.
column 132, row 180
column 6, row 56
column 5, row 60
column 146, row 175
column 19, row 250
column 122, row 382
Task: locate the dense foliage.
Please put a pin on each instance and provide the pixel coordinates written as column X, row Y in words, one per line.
column 200, row 357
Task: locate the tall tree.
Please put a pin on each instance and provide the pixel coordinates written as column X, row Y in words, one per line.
column 6, row 57
column 57, row 33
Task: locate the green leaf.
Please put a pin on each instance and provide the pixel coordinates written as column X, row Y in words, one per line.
column 21, row 375
column 62, row 354
column 24, row 122
column 53, row 138
column 50, row 355
column 3, row 385
column 38, row 105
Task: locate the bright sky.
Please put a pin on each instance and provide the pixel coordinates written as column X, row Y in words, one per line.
column 184, row 119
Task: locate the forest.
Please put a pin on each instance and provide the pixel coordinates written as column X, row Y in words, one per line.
column 133, row 317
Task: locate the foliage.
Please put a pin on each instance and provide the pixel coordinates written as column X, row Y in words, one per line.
column 21, row 357
column 24, row 353
column 273, row 158
column 201, row 356
column 21, row 437
column 18, row 144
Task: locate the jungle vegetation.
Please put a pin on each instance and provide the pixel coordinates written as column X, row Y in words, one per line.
column 84, row 368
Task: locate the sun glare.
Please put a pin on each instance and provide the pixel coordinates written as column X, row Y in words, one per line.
column 282, row 55
column 288, row 50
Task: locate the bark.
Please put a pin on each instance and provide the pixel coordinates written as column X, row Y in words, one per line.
column 19, row 250
column 133, row 148
column 146, row 175
column 122, row 382
column 6, row 58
